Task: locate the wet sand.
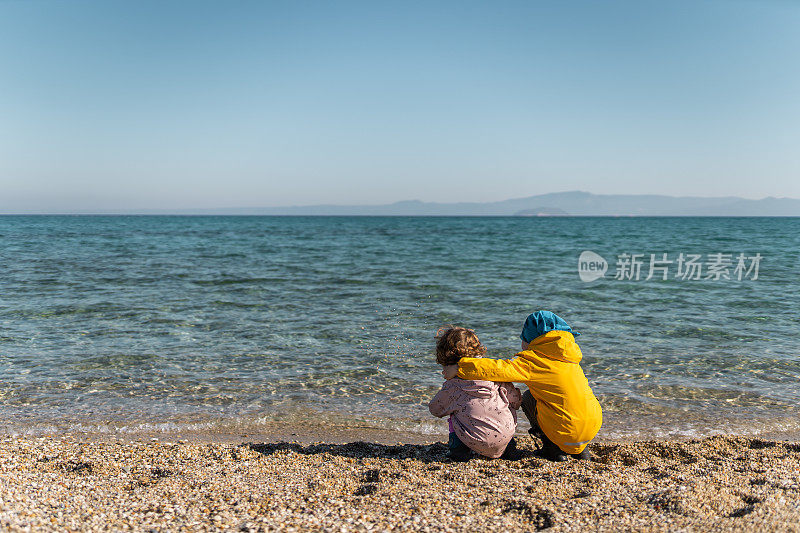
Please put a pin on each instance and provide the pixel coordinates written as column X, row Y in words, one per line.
column 83, row 484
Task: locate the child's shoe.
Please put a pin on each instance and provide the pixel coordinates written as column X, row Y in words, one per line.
column 548, row 450
column 584, row 455
column 458, row 451
column 511, row 452
column 553, row 453
column 459, row 456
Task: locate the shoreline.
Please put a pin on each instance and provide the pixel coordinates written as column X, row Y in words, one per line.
column 343, row 433
column 275, row 433
column 722, row 483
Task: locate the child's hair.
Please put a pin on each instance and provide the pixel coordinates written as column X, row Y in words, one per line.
column 454, row 343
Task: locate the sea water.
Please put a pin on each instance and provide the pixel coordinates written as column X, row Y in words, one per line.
column 149, row 323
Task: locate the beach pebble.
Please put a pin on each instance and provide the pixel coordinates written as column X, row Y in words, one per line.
column 714, row 484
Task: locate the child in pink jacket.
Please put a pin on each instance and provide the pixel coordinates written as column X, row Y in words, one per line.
column 483, row 416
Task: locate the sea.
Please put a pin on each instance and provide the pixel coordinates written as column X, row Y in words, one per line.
column 233, row 324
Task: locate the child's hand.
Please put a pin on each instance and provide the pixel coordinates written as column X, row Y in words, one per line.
column 450, row 371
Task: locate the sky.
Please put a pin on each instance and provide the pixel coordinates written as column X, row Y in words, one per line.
column 115, row 105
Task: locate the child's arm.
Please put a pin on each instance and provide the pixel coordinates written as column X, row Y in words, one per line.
column 492, row 369
column 442, row 404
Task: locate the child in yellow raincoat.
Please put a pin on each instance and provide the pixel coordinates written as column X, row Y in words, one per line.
column 560, row 405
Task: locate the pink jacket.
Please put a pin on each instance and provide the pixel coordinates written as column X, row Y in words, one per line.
column 483, row 413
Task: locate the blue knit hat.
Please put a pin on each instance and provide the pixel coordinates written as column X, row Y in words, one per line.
column 541, row 322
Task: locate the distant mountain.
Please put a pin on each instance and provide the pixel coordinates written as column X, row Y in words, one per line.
column 574, row 203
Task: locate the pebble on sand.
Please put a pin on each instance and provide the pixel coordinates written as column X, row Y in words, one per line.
column 712, row 484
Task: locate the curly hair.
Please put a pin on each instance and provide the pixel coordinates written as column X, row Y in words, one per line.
column 454, row 343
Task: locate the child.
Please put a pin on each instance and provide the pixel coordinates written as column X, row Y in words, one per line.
column 483, row 414
column 560, row 405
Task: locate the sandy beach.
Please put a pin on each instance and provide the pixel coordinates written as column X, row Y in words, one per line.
column 81, row 484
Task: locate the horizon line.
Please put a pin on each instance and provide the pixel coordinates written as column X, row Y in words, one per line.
column 201, row 211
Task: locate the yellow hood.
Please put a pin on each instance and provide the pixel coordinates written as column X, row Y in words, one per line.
column 556, row 345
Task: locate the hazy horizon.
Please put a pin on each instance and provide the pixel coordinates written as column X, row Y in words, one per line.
column 199, row 208
column 563, row 203
column 151, row 106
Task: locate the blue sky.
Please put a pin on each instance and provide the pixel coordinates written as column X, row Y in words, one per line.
column 161, row 105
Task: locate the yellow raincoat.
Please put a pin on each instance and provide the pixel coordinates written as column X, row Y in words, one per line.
column 566, row 408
